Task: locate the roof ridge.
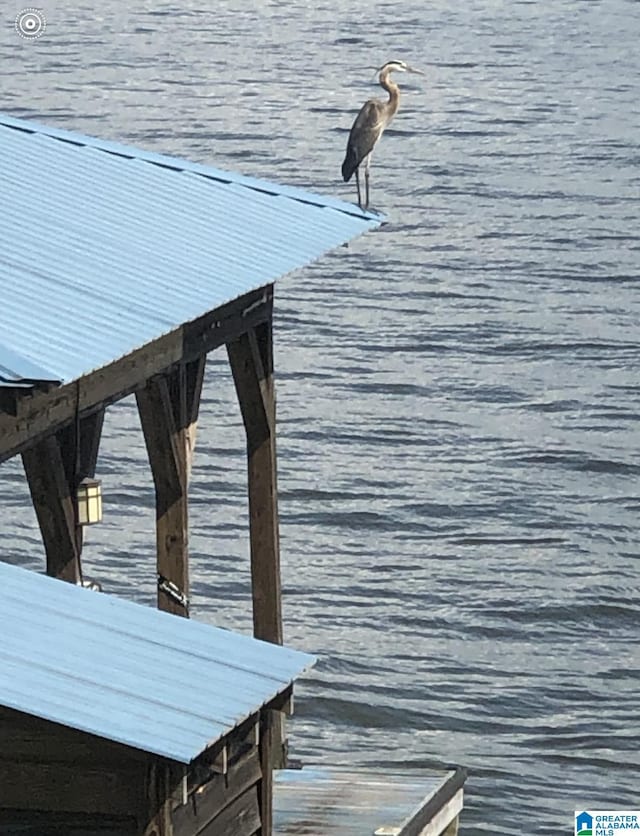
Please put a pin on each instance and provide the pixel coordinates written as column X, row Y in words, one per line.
column 181, row 164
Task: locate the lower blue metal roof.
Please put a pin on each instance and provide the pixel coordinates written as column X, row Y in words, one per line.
column 163, row 684
column 104, row 247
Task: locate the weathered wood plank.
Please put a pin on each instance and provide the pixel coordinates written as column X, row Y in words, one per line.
column 228, row 750
column 251, row 360
column 443, row 822
column 65, row 788
column 271, row 730
column 23, row 737
column 80, row 443
column 156, row 813
column 432, row 815
column 41, row 413
column 226, row 323
column 452, row 829
column 159, row 402
column 250, row 357
column 194, row 379
column 240, row 818
column 52, row 499
column 54, row 468
column 217, row 794
column 159, row 428
column 350, row 803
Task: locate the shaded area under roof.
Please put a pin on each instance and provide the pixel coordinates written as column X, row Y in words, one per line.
column 104, row 247
column 131, row 674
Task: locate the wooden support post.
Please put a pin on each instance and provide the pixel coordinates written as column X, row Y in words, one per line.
column 156, row 816
column 54, row 505
column 168, row 408
column 251, row 359
column 194, row 378
column 54, row 467
column 269, row 746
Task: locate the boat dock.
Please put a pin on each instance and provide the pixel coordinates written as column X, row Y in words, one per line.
column 314, row 800
column 116, row 718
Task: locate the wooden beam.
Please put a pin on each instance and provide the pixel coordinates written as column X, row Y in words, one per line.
column 54, row 468
column 156, row 813
column 193, row 381
column 90, row 435
column 283, row 701
column 161, row 405
column 270, row 744
column 168, row 407
column 217, row 327
column 441, row 808
column 214, row 796
column 11, row 396
column 38, row 414
column 54, row 505
column 251, row 359
column 80, row 445
column 445, row 821
column 452, row 830
column 244, row 738
column 240, row 818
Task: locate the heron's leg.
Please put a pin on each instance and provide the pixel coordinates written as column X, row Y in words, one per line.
column 358, row 185
column 366, row 181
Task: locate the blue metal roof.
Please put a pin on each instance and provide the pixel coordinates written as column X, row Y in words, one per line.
column 132, row 674
column 104, row 247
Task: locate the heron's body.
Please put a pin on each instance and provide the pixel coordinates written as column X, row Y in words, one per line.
column 373, row 118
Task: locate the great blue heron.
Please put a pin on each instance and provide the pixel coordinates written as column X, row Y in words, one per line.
column 367, row 129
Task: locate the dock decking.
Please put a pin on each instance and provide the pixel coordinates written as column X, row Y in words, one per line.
column 317, row 801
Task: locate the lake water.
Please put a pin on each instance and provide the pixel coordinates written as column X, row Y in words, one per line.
column 458, row 392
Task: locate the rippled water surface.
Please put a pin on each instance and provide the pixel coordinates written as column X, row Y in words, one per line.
column 458, row 392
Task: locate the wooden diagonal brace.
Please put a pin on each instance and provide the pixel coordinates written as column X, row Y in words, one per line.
column 168, row 407
column 54, row 468
column 54, row 505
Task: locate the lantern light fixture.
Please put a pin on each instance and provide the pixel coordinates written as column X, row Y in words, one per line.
column 89, row 499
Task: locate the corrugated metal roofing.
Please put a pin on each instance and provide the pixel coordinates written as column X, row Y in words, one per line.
column 132, row 674
column 104, row 247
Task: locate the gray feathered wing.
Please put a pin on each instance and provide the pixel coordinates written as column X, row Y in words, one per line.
column 365, row 132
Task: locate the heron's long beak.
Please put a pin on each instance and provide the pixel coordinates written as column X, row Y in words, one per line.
column 413, row 70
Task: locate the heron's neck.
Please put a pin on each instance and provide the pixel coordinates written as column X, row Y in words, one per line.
column 393, row 90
